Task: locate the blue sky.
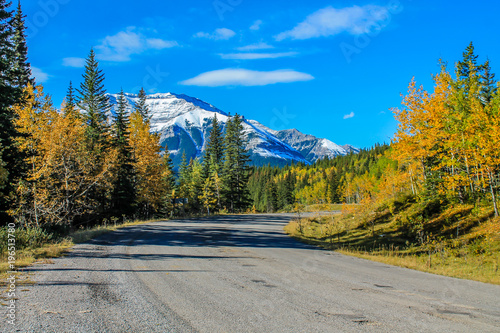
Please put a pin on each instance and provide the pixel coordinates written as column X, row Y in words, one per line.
column 328, row 68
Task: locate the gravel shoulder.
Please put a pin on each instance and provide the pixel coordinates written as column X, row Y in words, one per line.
column 239, row 274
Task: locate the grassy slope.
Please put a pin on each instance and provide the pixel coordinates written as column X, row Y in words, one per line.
column 409, row 238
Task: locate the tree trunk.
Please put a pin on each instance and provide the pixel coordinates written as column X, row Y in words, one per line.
column 493, row 197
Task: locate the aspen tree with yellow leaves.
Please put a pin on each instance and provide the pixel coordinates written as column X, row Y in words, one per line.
column 153, row 172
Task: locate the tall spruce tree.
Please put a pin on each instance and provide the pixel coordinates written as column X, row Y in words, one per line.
column 214, row 150
column 235, row 169
column 94, row 104
column 184, row 177
column 21, row 69
column 69, row 102
column 141, row 106
column 9, row 95
column 468, row 63
column 94, row 101
column 124, row 192
column 488, row 84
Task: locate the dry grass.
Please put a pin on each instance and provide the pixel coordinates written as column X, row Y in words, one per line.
column 43, row 254
column 323, row 208
column 474, row 254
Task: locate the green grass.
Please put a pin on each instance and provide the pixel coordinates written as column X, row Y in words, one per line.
column 389, row 238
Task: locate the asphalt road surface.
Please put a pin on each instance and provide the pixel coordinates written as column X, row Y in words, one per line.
column 240, row 274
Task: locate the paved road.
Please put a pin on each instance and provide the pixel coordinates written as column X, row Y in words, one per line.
column 240, row 274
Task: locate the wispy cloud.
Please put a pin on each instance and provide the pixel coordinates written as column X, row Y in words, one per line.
column 256, row 25
column 121, row 46
column 255, row 47
column 245, row 77
column 218, row 34
column 331, row 21
column 253, row 56
column 348, row 116
column 74, row 62
column 39, row 75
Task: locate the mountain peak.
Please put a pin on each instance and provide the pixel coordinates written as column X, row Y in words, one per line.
column 184, row 123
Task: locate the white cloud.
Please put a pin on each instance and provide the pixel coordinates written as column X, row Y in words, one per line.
column 159, row 44
column 254, row 47
column 330, row 21
column 121, row 46
column 256, row 25
column 350, row 115
column 245, row 77
column 253, row 56
column 74, row 62
column 218, row 34
column 39, row 75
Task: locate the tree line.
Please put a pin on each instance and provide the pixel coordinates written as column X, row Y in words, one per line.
column 275, row 189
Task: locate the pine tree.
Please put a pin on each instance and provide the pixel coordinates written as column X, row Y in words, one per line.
column 488, row 84
column 236, row 170
column 94, row 102
column 214, row 150
column 13, row 161
column 184, row 177
column 468, row 63
column 21, row 69
column 124, row 193
column 141, row 105
column 333, row 187
column 69, row 102
column 168, row 181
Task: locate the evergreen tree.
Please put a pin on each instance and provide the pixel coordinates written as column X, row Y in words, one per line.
column 271, row 196
column 141, row 105
column 333, row 187
column 13, row 161
column 94, row 104
column 468, row 64
column 236, row 170
column 214, row 150
column 488, row 84
column 21, row 69
column 69, row 108
column 124, row 192
column 93, row 101
column 168, row 181
column 184, row 177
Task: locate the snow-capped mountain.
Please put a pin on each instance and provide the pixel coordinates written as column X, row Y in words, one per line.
column 184, row 122
column 311, row 147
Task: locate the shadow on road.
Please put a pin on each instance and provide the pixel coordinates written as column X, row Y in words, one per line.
column 252, row 231
column 247, row 231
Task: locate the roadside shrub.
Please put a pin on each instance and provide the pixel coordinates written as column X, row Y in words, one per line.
column 25, row 238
